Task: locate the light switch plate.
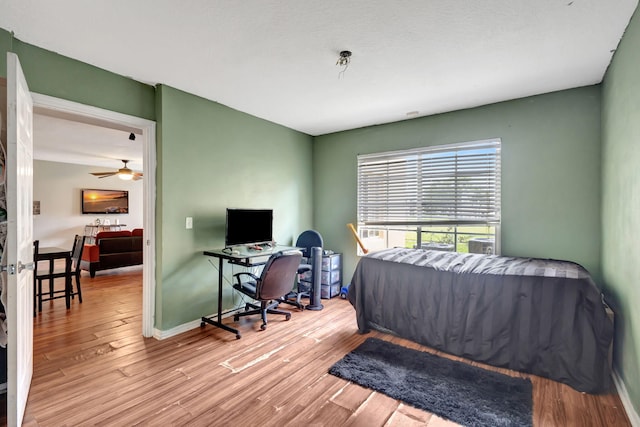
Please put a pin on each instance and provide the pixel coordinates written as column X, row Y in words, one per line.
column 189, row 223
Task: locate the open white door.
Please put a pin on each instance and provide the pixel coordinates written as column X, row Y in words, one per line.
column 19, row 245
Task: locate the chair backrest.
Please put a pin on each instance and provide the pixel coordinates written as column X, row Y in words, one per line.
column 36, row 248
column 307, row 240
column 278, row 275
column 76, row 252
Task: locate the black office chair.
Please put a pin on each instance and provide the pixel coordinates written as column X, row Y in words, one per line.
column 306, row 241
column 277, row 278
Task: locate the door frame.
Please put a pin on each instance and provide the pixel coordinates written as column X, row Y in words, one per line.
column 48, row 105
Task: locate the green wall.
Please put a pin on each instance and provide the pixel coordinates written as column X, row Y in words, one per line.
column 621, row 203
column 213, row 157
column 550, row 172
column 55, row 75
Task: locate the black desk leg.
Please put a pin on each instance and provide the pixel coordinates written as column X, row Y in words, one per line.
column 218, row 322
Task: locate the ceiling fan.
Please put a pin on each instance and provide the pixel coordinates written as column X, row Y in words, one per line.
column 123, row 173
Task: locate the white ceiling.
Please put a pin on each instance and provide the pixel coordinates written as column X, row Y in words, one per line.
column 276, row 59
column 68, row 141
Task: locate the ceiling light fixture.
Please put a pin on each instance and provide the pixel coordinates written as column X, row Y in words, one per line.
column 344, row 60
column 132, row 136
column 125, row 173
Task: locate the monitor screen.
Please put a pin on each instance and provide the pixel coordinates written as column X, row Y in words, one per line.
column 248, row 226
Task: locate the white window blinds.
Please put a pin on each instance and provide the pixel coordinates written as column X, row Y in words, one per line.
column 451, row 184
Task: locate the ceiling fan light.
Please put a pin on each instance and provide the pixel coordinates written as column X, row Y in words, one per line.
column 125, row 176
column 124, row 173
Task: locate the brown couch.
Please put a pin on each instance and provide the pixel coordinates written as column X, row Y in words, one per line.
column 112, row 249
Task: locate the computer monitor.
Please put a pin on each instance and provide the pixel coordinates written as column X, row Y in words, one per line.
column 248, row 227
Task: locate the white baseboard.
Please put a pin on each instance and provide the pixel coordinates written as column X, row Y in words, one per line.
column 185, row 327
column 626, row 401
column 160, row 335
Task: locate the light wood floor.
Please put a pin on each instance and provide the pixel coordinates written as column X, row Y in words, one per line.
column 92, row 367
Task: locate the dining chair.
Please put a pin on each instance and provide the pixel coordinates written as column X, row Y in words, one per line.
column 76, row 257
column 67, row 273
column 36, row 244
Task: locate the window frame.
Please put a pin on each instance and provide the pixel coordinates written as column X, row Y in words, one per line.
column 439, row 171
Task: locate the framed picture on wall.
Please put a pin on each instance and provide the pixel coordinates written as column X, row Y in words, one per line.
column 105, row 201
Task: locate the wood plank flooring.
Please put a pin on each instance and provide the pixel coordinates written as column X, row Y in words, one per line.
column 93, row 367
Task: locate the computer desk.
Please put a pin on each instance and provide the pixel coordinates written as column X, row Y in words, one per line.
column 246, row 258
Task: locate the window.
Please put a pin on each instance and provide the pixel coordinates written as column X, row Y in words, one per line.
column 444, row 197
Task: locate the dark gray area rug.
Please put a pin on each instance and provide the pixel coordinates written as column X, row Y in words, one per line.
column 462, row 393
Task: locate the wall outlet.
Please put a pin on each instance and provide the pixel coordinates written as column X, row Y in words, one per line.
column 189, row 223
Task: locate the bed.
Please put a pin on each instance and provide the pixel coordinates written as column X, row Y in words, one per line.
column 543, row 317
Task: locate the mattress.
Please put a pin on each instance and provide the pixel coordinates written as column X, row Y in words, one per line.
column 544, row 317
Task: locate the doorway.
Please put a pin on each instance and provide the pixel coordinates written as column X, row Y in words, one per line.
column 145, row 130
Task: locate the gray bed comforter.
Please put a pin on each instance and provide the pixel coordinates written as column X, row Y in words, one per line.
column 543, row 317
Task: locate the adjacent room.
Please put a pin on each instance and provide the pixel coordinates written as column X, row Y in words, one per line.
column 71, row 159
column 443, row 184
